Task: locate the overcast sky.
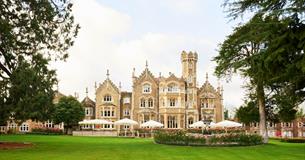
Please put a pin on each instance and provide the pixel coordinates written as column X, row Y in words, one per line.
column 122, row 34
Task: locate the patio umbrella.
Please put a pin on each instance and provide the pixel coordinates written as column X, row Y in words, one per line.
column 198, row 124
column 95, row 121
column 125, row 121
column 83, row 122
column 212, row 124
column 152, row 124
column 227, row 124
column 99, row 121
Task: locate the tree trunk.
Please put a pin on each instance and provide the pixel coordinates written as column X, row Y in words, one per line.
column 262, row 115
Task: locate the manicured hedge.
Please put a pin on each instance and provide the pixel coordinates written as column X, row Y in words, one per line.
column 293, row 140
column 180, row 137
column 46, row 131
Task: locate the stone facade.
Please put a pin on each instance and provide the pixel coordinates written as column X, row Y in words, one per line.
column 174, row 101
column 295, row 128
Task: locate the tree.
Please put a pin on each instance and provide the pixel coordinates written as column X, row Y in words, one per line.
column 31, row 91
column 32, row 33
column 248, row 113
column 243, row 52
column 300, row 113
column 226, row 114
column 69, row 111
column 275, row 33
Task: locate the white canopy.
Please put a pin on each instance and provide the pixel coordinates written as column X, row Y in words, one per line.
column 95, row 121
column 125, row 121
column 227, row 123
column 212, row 124
column 152, row 124
column 198, row 124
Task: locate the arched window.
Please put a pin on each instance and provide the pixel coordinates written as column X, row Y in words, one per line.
column 142, row 102
column 126, row 112
column 106, row 112
column 88, row 111
column 107, row 98
column 49, row 124
column 172, row 122
column 172, row 102
column 190, row 120
column 24, row 127
column 146, row 88
column 150, row 102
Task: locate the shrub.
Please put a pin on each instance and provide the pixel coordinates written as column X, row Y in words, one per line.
column 236, row 139
column 46, row 131
column 179, row 137
column 211, row 131
column 293, row 140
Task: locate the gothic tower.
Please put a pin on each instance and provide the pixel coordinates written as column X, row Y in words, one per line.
column 189, row 73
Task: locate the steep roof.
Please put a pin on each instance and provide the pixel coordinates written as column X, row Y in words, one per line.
column 146, row 74
column 87, row 102
column 106, row 82
column 207, row 87
column 172, row 77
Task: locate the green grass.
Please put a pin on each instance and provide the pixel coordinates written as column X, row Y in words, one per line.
column 91, row 148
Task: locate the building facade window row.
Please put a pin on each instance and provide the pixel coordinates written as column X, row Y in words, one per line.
column 144, row 103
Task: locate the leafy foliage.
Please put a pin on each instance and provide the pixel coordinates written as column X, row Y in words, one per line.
column 31, row 34
column 269, row 50
column 248, row 114
column 69, row 111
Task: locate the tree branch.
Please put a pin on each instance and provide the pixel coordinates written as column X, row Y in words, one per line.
column 3, row 68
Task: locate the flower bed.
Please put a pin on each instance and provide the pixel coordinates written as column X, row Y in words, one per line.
column 180, row 137
column 46, row 131
column 210, row 131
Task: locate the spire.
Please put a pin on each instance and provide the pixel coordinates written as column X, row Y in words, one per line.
column 207, row 77
column 133, row 72
column 76, row 96
column 86, row 91
column 146, row 64
column 160, row 74
column 107, row 73
column 120, row 85
column 95, row 86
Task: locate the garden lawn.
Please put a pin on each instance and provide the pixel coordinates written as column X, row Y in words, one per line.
column 91, row 148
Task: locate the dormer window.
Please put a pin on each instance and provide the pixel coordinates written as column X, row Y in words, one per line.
column 107, row 98
column 146, row 88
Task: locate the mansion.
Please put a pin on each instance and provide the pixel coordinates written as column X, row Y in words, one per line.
column 174, row 101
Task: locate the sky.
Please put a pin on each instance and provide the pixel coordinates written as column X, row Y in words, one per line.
column 120, row 35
